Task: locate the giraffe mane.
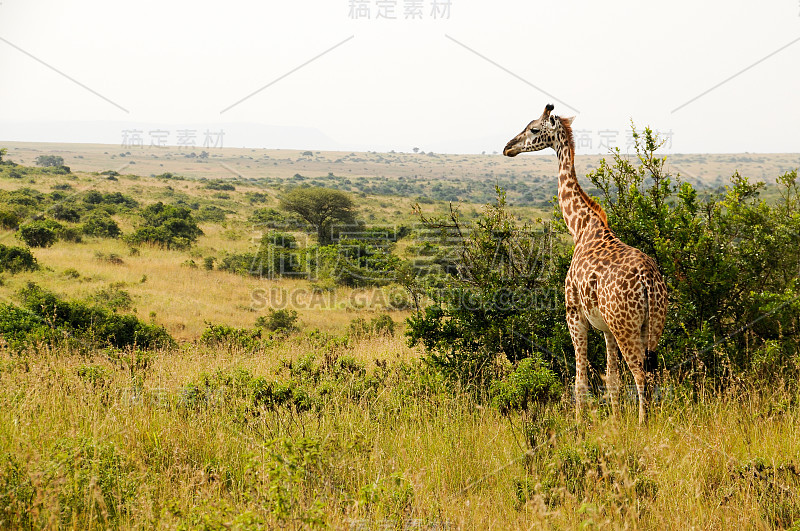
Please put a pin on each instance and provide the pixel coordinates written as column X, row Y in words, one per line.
column 593, row 205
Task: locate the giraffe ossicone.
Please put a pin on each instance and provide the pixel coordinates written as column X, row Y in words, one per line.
column 611, row 286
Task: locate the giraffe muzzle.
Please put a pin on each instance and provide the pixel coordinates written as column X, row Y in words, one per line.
column 511, row 150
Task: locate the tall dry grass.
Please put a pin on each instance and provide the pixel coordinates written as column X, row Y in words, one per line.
column 179, row 440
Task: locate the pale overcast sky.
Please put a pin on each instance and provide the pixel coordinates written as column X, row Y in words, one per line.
column 466, row 80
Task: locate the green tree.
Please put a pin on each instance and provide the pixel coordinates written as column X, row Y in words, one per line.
column 325, row 209
column 499, row 291
column 49, row 161
column 730, row 260
column 168, row 226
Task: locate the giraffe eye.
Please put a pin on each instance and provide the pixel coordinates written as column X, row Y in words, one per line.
column 534, row 130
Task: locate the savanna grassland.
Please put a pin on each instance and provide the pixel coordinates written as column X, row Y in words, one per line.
column 155, row 380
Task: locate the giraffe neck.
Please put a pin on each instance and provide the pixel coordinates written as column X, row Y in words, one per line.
column 571, row 197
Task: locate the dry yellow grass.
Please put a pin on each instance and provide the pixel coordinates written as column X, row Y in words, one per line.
column 402, row 454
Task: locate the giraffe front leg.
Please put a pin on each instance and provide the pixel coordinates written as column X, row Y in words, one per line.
column 578, row 331
column 612, row 372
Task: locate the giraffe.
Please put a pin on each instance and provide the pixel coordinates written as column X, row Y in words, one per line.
column 611, row 286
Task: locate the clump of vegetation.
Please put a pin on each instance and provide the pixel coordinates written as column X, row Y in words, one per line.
column 113, row 297
column 380, row 326
column 499, row 291
column 232, row 338
column 169, row 226
column 16, row 259
column 219, row 185
column 328, row 211
column 46, row 318
column 530, row 384
column 65, row 212
column 281, row 320
column 111, row 258
column 269, row 217
column 9, row 220
column 40, row 232
column 100, row 224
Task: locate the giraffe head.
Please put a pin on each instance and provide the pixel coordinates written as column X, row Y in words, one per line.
column 537, row 135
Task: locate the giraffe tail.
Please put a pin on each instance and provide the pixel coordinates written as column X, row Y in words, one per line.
column 650, row 354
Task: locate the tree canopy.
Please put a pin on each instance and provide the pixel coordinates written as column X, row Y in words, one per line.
column 325, row 209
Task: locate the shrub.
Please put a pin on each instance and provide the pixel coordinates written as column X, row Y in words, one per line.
column 530, row 384
column 500, row 290
column 113, row 297
column 9, row 220
column 353, row 263
column 167, row 226
column 46, row 317
column 39, row 233
column 211, row 213
column 230, row 337
column 382, row 325
column 219, row 185
column 284, row 320
column 16, row 259
column 64, row 212
column 100, row 224
column 70, row 234
column 268, row 216
column 729, row 259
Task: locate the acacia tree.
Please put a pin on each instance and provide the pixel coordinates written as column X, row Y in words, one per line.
column 324, row 209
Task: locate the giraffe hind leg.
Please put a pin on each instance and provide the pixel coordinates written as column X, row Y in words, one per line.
column 633, row 350
column 612, row 372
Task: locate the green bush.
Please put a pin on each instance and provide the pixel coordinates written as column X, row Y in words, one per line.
column 211, row 213
column 382, row 325
column 219, row 185
column 9, row 220
column 168, row 226
column 353, row 263
column 40, row 232
column 113, row 297
column 44, row 317
column 276, row 256
column 530, row 384
column 230, row 337
column 100, row 224
column 500, row 289
column 283, row 320
column 64, row 212
column 16, row 259
column 729, row 259
column 268, row 216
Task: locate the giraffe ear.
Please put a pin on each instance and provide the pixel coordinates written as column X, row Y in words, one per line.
column 569, row 120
